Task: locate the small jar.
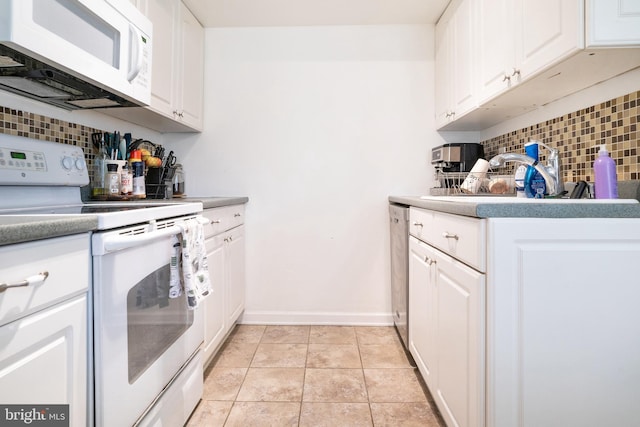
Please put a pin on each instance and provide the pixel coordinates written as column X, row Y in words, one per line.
column 126, row 181
column 178, row 181
column 113, row 179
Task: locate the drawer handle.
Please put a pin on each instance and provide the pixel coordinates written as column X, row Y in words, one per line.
column 418, row 224
column 448, row 235
column 237, row 215
column 215, row 221
column 429, row 261
column 31, row 280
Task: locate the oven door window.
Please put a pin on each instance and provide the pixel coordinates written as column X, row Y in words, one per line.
column 154, row 321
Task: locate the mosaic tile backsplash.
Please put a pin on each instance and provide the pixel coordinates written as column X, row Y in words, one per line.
column 37, row 126
column 578, row 136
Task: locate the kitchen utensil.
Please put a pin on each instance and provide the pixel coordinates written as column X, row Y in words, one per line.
column 96, row 138
column 578, row 190
column 170, row 161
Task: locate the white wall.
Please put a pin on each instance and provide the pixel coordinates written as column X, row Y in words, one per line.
column 317, row 126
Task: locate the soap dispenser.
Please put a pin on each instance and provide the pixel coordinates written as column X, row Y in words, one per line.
column 604, row 170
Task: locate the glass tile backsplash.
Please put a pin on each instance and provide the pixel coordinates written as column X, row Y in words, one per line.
column 578, row 135
column 38, row 126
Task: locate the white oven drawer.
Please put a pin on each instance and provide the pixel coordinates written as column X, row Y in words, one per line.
column 65, row 259
column 222, row 219
column 460, row 236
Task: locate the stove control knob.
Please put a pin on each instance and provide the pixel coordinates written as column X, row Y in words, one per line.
column 67, row 163
column 80, row 164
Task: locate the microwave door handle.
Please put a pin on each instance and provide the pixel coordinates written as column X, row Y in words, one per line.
column 135, row 53
column 119, row 242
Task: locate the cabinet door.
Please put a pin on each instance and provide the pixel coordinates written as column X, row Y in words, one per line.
column 496, row 47
column 422, row 316
column 463, row 74
column 563, row 323
column 443, row 40
column 162, row 14
column 215, row 327
column 43, row 359
column 548, row 31
column 191, row 80
column 235, row 248
column 460, row 331
column 613, row 23
column 455, row 62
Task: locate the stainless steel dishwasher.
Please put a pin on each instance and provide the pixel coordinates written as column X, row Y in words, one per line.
column 399, row 227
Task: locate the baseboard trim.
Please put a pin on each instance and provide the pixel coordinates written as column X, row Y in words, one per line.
column 315, row 318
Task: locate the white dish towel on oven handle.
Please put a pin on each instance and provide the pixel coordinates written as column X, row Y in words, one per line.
column 191, row 250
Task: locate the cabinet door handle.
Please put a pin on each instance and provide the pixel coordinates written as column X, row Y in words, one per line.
column 31, row 280
column 515, row 72
column 429, row 261
column 418, row 224
column 448, row 235
column 506, row 77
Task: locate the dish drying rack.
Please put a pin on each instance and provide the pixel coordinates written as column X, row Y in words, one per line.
column 449, row 183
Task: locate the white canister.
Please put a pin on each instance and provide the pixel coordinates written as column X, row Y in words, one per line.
column 473, row 181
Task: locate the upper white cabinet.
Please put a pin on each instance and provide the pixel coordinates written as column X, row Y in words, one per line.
column 517, row 39
column 614, row 23
column 177, row 77
column 455, row 56
column 532, row 52
column 190, row 81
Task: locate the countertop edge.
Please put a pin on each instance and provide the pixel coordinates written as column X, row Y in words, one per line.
column 21, row 229
column 516, row 210
column 216, row 202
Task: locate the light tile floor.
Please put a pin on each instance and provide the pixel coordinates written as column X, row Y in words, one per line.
column 313, row 376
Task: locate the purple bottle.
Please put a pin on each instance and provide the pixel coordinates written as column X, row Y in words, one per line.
column 606, row 181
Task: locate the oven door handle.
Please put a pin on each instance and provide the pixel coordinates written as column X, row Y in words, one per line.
column 119, row 242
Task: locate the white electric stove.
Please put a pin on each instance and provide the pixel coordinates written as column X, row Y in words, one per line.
column 146, row 346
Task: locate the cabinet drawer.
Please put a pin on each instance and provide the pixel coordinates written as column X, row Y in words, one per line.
column 222, row 219
column 459, row 236
column 65, row 259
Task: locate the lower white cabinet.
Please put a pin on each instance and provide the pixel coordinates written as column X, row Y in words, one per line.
column 541, row 329
column 44, row 328
column 226, row 259
column 446, row 332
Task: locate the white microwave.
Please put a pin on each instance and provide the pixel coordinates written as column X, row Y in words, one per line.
column 76, row 54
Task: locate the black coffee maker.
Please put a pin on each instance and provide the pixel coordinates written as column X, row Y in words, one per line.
column 456, row 157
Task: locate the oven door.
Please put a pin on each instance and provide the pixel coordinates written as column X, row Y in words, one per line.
column 142, row 338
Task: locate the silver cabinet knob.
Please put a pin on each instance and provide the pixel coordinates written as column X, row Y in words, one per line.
column 448, row 235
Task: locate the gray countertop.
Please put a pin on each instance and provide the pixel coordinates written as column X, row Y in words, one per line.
column 21, row 228
column 511, row 207
column 24, row 228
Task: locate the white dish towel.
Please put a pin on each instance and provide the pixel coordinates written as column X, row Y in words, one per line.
column 190, row 255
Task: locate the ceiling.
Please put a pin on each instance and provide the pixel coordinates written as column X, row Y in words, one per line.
column 253, row 13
